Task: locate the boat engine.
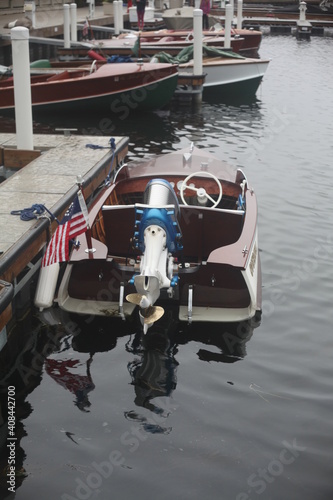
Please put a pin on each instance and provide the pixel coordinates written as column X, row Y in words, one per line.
column 157, row 236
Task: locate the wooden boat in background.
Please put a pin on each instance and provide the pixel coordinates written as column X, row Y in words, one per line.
column 231, row 75
column 242, row 40
column 146, row 85
column 171, row 41
column 177, row 229
column 146, row 44
column 182, row 19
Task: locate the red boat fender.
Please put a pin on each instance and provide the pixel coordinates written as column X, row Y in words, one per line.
column 94, row 55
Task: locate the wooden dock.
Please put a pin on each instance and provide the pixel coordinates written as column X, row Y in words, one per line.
column 49, row 179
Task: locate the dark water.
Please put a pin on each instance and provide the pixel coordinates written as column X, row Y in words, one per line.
column 227, row 412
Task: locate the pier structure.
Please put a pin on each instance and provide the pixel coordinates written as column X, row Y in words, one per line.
column 45, row 176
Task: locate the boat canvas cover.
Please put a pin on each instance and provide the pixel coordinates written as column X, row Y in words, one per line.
column 186, row 54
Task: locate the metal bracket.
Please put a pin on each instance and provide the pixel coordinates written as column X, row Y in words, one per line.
column 121, row 300
column 190, row 303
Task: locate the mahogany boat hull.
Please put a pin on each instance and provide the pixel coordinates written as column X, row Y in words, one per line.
column 214, row 269
column 117, row 87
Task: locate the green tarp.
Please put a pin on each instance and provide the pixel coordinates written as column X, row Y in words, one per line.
column 186, row 55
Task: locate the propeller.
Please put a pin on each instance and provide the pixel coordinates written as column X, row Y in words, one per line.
column 149, row 313
column 152, row 314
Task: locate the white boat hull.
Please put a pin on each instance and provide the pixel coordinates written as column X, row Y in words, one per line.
column 229, row 72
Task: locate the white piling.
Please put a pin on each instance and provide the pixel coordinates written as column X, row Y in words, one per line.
column 29, row 8
column 121, row 16
column 73, row 16
column 227, row 26
column 116, row 17
column 302, row 11
column 22, row 87
column 239, row 14
column 67, row 42
column 197, row 42
column 91, row 8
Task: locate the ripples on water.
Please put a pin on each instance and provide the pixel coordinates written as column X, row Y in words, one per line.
column 216, row 412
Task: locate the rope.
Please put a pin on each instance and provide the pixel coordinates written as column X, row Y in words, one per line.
column 36, row 210
column 113, row 147
column 33, row 212
column 97, row 146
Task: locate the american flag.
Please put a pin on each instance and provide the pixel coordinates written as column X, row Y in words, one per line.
column 74, row 223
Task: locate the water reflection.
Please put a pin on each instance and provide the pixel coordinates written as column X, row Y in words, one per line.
column 78, row 384
column 21, row 365
column 230, row 339
column 153, row 372
column 215, row 96
column 53, row 347
column 23, row 410
column 154, row 365
column 167, row 129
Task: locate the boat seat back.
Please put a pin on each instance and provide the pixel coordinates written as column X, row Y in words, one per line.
column 119, row 221
column 205, row 229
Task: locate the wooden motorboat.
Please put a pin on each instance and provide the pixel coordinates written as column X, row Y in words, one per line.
column 111, row 86
column 242, row 40
column 177, row 229
column 227, row 73
column 230, row 77
column 182, row 19
column 146, row 44
column 170, row 41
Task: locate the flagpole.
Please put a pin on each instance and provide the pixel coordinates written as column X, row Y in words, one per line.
column 91, row 31
column 90, row 249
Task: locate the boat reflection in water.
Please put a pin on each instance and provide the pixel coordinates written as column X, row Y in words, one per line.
column 78, row 384
column 153, row 372
column 48, row 347
column 153, row 369
column 229, row 338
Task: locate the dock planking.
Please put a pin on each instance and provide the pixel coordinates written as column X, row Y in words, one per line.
column 50, row 179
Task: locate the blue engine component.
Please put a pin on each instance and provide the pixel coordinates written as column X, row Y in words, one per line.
column 158, row 192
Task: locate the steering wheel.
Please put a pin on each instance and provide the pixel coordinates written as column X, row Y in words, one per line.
column 201, row 192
